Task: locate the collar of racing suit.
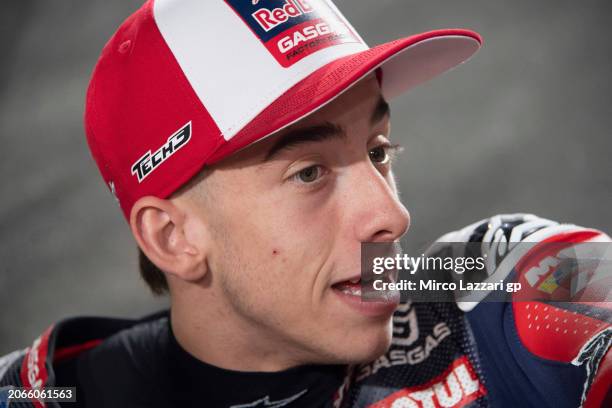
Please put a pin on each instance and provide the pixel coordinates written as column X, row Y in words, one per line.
column 140, row 364
column 304, row 386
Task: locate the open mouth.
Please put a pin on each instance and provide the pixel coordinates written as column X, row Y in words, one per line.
column 350, row 287
column 380, row 305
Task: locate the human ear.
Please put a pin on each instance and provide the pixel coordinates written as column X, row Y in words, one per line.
column 159, row 227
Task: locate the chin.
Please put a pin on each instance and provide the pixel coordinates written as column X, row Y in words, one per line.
column 365, row 344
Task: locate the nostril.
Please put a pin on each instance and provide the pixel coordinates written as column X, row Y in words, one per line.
column 383, row 236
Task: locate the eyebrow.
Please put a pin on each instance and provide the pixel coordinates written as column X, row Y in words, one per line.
column 321, row 132
column 317, row 133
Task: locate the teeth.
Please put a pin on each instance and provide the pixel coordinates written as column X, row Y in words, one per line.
column 356, row 280
column 351, row 290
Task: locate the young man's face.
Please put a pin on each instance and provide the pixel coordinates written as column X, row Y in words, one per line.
column 287, row 217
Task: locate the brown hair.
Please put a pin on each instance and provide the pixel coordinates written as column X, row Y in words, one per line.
column 152, row 275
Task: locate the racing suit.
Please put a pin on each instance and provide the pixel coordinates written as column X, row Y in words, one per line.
column 497, row 354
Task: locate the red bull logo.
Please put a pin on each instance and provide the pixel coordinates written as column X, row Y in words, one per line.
column 268, row 19
column 294, row 29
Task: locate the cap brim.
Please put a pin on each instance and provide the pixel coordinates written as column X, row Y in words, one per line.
column 405, row 63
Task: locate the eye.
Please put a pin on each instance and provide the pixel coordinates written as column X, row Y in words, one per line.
column 384, row 154
column 379, row 154
column 309, row 174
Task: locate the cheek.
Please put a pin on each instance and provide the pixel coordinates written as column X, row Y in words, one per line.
column 271, row 263
column 279, row 245
column 289, row 232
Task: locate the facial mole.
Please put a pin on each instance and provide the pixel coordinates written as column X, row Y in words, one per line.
column 275, row 252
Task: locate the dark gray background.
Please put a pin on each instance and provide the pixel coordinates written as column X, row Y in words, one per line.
column 524, row 126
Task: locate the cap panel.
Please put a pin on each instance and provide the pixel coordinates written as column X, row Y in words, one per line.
column 147, row 130
column 256, row 52
column 424, row 56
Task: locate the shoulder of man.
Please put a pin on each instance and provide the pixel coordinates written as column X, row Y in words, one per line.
column 551, row 344
column 524, row 353
column 37, row 365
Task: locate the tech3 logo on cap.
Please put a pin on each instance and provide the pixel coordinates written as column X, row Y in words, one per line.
column 293, row 29
column 150, row 161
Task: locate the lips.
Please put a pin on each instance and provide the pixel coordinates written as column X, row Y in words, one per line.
column 350, row 293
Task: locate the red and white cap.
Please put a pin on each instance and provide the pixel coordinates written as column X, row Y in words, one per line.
column 185, row 83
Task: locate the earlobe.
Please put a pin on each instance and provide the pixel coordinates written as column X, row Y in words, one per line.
column 158, row 226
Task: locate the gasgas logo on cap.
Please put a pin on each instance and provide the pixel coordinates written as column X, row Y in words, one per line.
column 293, row 29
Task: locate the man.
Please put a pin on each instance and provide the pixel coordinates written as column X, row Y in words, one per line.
column 248, row 145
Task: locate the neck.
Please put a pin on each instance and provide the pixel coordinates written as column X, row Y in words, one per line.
column 215, row 335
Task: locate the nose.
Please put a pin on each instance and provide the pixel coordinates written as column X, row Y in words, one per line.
column 379, row 216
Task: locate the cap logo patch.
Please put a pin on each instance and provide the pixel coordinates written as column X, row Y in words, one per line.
column 150, row 161
column 293, row 29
